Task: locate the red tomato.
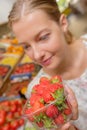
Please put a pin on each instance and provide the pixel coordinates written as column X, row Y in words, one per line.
column 14, row 124
column 2, row 120
column 2, row 113
column 6, row 127
column 13, row 108
column 21, row 122
column 2, row 117
column 9, row 116
column 6, row 103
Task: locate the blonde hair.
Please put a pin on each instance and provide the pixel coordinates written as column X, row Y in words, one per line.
column 24, row 7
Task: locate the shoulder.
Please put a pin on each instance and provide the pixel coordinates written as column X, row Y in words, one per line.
column 83, row 40
column 84, row 36
column 40, row 74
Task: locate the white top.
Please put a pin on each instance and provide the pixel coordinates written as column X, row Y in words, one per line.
column 79, row 86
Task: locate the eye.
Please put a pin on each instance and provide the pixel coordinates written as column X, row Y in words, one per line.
column 44, row 37
column 26, row 47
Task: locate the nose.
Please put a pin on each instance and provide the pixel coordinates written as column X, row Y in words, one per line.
column 37, row 53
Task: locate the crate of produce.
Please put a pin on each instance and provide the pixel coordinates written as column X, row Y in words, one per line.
column 16, row 87
column 4, row 69
column 48, row 107
column 11, row 113
column 24, row 72
column 9, row 59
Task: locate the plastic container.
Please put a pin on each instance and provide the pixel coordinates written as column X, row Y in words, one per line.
column 20, row 77
column 41, row 119
column 48, row 107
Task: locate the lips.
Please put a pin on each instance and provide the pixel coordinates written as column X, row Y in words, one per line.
column 46, row 62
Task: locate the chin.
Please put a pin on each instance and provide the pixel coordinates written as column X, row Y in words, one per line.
column 51, row 67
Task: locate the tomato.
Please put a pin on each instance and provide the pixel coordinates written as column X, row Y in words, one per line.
column 17, row 114
column 14, row 124
column 2, row 120
column 21, row 122
column 2, row 117
column 9, row 116
column 13, row 108
column 2, row 113
column 6, row 127
column 6, row 105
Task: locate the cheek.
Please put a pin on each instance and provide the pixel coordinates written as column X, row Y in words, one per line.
column 55, row 43
column 54, row 46
column 30, row 54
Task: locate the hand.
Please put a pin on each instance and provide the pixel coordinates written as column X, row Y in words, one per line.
column 74, row 106
column 73, row 102
column 67, row 126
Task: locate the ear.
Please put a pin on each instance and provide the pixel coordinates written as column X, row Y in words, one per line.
column 63, row 23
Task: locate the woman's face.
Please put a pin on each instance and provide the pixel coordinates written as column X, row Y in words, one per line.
column 42, row 39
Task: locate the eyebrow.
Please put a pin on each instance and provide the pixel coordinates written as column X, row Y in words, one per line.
column 22, row 43
column 42, row 32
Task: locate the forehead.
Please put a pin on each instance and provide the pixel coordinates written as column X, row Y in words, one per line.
column 32, row 24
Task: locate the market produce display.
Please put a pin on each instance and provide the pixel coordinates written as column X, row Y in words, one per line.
column 24, row 68
column 47, row 106
column 14, row 50
column 4, row 69
column 26, row 59
column 9, row 60
column 10, row 114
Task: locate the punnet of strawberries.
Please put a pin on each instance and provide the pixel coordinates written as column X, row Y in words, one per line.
column 47, row 106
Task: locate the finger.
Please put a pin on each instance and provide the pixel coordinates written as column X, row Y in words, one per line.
column 65, row 127
column 73, row 102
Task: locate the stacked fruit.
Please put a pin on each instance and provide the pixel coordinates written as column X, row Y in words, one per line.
column 9, row 60
column 10, row 114
column 14, row 50
column 4, row 70
column 48, row 106
column 24, row 68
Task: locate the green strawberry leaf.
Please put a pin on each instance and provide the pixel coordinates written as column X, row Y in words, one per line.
column 30, row 128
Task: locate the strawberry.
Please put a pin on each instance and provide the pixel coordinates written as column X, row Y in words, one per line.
column 55, row 86
column 35, row 88
column 28, row 112
column 56, row 79
column 44, row 80
column 40, row 124
column 37, row 105
column 47, row 96
column 40, row 90
column 34, row 98
column 67, row 111
column 52, row 111
column 59, row 120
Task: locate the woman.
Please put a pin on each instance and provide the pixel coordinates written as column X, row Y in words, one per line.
column 43, row 32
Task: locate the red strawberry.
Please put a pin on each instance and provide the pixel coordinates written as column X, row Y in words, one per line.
column 34, row 98
column 44, row 80
column 40, row 124
column 28, row 113
column 35, row 88
column 56, row 79
column 37, row 105
column 67, row 111
column 59, row 120
column 52, row 111
column 55, row 86
column 40, row 90
column 47, row 96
